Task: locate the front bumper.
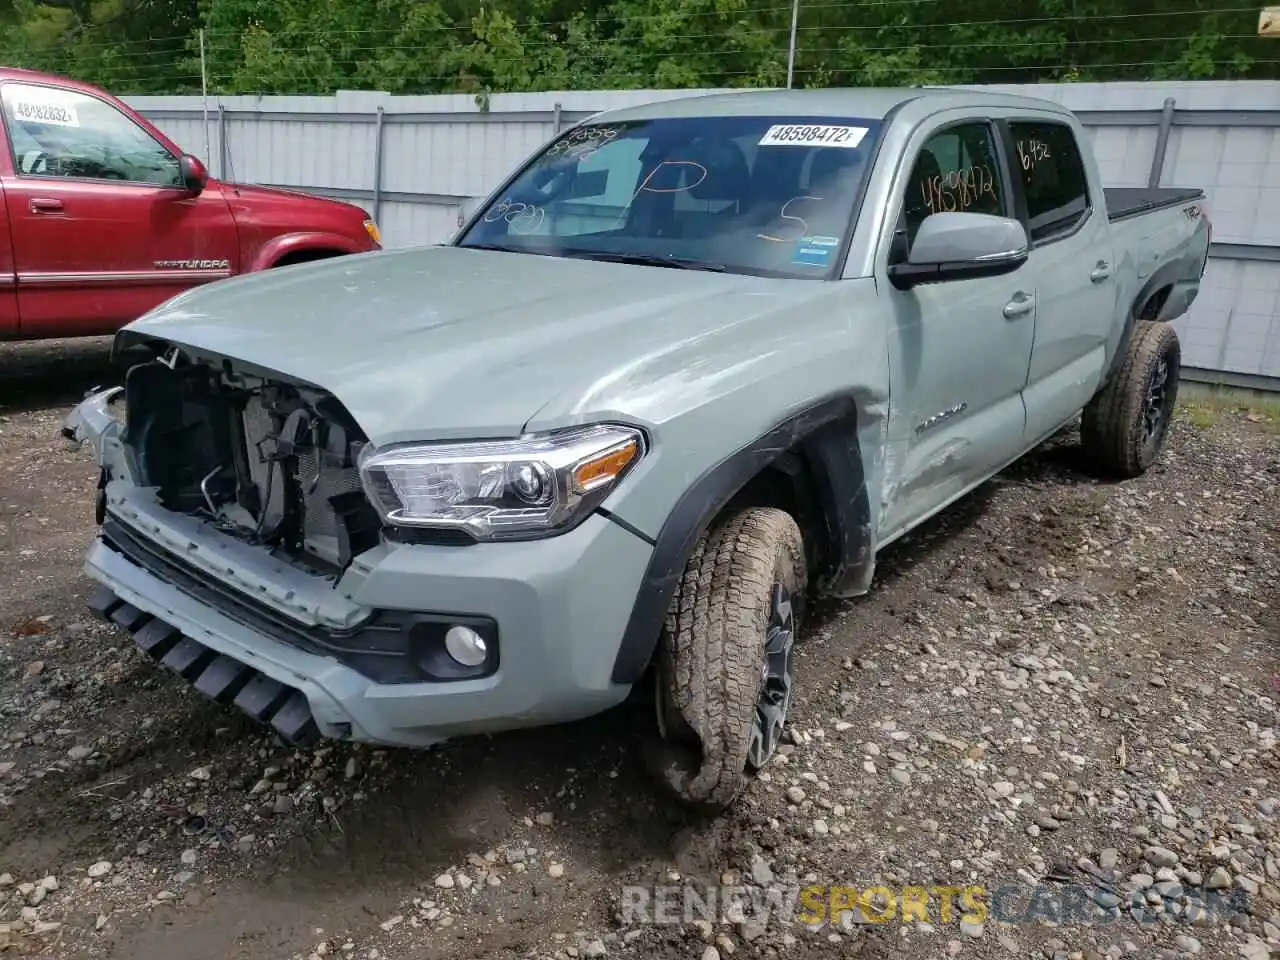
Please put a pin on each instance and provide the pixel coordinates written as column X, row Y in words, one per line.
column 560, row 605
column 246, row 628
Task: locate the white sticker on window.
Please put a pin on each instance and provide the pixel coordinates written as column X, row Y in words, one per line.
column 812, row 135
column 29, row 110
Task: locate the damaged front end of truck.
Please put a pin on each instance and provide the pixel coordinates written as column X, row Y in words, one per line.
column 266, row 460
column 242, row 490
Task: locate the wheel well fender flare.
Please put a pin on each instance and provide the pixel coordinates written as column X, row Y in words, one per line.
column 277, row 248
column 825, row 436
column 1163, row 279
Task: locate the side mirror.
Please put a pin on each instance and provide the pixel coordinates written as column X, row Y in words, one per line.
column 962, row 246
column 193, row 173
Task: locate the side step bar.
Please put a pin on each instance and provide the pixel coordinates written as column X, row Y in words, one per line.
column 221, row 678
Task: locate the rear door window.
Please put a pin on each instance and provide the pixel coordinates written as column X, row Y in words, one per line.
column 1053, row 178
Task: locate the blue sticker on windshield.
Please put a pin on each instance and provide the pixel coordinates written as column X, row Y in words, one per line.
column 815, row 251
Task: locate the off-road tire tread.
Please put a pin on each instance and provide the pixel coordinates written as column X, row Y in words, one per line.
column 1111, row 427
column 713, row 644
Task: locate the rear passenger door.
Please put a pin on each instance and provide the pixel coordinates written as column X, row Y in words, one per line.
column 958, row 349
column 1077, row 294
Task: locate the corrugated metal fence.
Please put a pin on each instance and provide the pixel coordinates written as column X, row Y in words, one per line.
column 417, row 163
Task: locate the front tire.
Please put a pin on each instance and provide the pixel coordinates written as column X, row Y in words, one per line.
column 723, row 678
column 1125, row 426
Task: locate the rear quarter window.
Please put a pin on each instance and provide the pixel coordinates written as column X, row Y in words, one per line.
column 1053, row 178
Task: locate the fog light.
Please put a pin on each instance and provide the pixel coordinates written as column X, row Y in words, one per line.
column 466, row 646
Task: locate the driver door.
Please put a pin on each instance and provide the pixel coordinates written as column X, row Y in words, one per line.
column 959, row 349
column 102, row 228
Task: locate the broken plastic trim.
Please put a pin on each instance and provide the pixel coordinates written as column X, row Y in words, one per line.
column 93, row 417
column 392, row 646
column 221, row 678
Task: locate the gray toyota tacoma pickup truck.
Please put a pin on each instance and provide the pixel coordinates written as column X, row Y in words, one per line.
column 689, row 366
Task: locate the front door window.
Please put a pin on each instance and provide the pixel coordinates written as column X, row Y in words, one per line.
column 957, row 170
column 62, row 133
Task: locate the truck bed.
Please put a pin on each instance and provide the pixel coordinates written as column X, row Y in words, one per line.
column 1125, row 202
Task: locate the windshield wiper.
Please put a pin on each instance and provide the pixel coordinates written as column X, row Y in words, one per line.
column 648, row 260
column 490, row 246
column 501, row 249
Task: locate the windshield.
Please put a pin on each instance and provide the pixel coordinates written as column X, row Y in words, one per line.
column 770, row 196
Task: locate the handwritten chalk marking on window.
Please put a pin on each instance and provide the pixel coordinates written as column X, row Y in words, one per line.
column 1031, row 152
column 582, row 142
column 957, row 190
column 812, row 135
column 499, row 211
column 528, row 222
column 803, row 226
column 646, row 184
column 523, row 218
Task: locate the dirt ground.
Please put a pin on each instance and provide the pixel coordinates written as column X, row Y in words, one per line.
column 1060, row 684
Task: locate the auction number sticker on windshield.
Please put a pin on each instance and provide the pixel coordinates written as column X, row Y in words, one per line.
column 32, row 107
column 811, row 135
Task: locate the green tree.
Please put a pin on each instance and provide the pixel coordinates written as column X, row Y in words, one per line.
column 482, row 47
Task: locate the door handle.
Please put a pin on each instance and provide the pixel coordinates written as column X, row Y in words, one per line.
column 1101, row 271
column 1020, row 304
column 42, row 205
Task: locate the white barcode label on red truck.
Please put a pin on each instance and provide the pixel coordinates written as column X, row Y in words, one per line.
column 34, row 111
column 812, row 135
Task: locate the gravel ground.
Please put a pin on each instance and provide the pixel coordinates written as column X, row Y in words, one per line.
column 1061, row 691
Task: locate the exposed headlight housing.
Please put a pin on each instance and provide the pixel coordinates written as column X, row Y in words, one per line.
column 371, row 228
column 533, row 486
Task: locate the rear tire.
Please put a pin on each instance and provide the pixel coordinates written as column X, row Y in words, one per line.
column 1125, row 426
column 723, row 678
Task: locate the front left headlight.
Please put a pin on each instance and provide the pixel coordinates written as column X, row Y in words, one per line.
column 533, row 486
column 371, row 228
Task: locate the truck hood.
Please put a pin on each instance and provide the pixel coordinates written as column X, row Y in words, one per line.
column 245, row 193
column 263, row 214
column 448, row 342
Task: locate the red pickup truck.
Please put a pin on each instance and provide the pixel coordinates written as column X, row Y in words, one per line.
column 102, row 217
